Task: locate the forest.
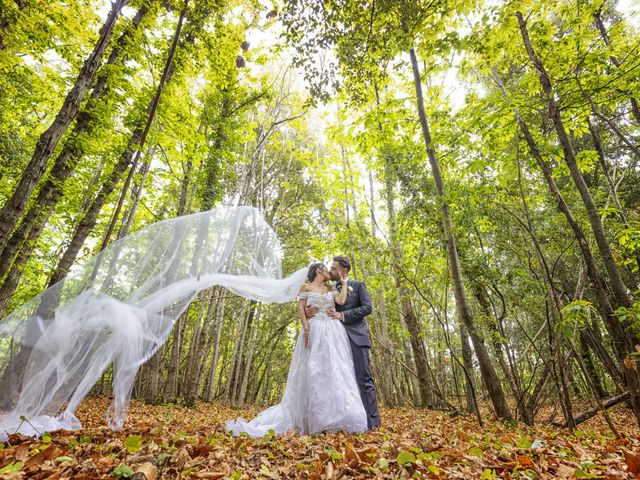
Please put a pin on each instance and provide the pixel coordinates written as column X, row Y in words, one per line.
column 477, row 161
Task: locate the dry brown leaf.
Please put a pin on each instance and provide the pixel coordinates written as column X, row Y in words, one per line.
column 210, row 475
column 22, row 452
column 329, row 471
column 351, row 456
column 181, row 458
column 633, row 462
column 565, row 471
column 48, row 454
column 525, row 461
column 148, row 469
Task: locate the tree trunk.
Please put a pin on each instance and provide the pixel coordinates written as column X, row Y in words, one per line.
column 243, row 343
column 408, row 312
column 170, row 393
column 613, row 193
column 14, row 207
column 635, row 110
column 248, row 365
column 617, row 284
column 595, row 138
column 589, row 366
column 136, row 194
column 216, row 350
column 234, row 360
column 196, row 352
column 50, row 193
column 127, row 158
column 553, row 306
column 184, row 190
column 467, row 365
column 496, row 339
column 592, row 412
column 152, row 394
column 622, row 342
column 388, row 386
column 213, row 167
column 487, row 370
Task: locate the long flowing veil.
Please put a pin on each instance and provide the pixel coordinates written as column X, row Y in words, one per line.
column 119, row 308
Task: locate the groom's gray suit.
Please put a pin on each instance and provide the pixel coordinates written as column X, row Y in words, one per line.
column 356, row 307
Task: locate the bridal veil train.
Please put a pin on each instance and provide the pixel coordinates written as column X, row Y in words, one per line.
column 119, row 308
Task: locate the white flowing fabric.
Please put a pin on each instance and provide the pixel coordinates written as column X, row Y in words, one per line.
column 321, row 392
column 119, row 308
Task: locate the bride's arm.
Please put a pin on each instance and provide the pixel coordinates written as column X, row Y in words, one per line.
column 341, row 297
column 302, row 302
column 301, row 314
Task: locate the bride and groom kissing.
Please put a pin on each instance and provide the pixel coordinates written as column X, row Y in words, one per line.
column 329, row 386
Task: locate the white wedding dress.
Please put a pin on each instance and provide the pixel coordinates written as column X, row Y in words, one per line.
column 321, row 392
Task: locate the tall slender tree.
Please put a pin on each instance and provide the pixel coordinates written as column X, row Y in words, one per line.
column 14, row 207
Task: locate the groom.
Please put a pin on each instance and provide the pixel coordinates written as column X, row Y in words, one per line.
column 351, row 314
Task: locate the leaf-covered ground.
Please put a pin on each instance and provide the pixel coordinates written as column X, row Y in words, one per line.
column 176, row 442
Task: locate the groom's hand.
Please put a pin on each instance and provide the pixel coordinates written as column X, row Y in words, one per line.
column 336, row 315
column 310, row 311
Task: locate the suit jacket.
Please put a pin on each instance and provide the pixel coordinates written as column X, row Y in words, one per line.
column 356, row 307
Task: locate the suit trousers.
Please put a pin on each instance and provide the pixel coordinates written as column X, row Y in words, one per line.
column 365, row 383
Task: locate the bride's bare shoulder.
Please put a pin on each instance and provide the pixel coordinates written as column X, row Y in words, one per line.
column 305, row 288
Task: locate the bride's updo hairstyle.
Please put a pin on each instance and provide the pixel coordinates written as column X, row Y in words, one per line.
column 313, row 271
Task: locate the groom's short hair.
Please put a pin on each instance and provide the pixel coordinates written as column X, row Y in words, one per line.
column 343, row 262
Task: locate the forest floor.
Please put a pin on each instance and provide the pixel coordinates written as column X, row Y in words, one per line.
column 176, row 442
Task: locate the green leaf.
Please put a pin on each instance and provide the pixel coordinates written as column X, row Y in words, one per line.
column 387, row 447
column 430, row 455
column 383, row 464
column 487, row 474
column 405, row 458
column 122, row 471
column 586, row 160
column 579, row 473
column 133, row 443
column 334, row 454
column 64, row 459
column 476, row 452
column 12, row 467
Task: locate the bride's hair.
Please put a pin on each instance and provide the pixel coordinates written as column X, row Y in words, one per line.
column 313, row 271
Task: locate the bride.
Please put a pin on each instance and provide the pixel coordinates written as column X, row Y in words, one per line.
column 321, row 392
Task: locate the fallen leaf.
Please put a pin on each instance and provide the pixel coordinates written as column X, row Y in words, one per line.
column 148, row 469
column 565, row 471
column 47, row 454
column 633, row 462
column 22, row 452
